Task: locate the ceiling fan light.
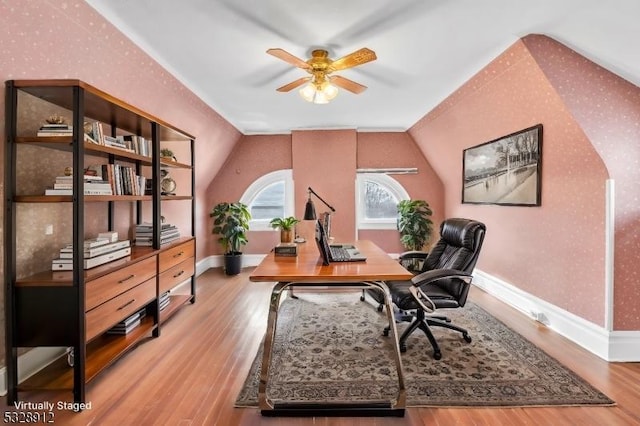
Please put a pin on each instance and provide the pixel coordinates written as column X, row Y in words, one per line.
column 330, row 91
column 308, row 92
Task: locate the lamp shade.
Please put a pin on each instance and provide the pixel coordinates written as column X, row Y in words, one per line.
column 310, row 211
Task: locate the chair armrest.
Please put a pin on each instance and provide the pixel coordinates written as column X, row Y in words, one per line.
column 414, row 254
column 434, row 275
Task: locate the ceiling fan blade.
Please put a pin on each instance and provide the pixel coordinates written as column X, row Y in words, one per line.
column 347, row 84
column 293, row 84
column 288, row 57
column 356, row 58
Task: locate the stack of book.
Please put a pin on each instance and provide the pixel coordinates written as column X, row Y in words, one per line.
column 164, row 300
column 93, row 185
column 129, row 143
column 127, row 325
column 49, row 129
column 144, row 234
column 97, row 252
column 123, row 180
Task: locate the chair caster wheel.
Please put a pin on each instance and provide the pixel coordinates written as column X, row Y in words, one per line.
column 380, row 308
column 403, row 348
column 437, row 355
column 362, row 298
column 385, row 332
column 466, row 338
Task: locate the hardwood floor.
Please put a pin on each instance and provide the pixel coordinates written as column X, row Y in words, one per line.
column 192, row 374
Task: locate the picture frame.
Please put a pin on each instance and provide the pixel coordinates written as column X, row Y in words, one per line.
column 506, row 171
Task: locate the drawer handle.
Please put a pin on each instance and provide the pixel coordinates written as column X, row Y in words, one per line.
column 178, row 254
column 178, row 274
column 126, row 304
column 126, row 279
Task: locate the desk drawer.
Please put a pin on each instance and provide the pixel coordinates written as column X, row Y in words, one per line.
column 176, row 275
column 171, row 257
column 115, row 310
column 109, row 286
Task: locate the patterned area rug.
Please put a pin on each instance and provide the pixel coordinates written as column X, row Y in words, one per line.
column 329, row 347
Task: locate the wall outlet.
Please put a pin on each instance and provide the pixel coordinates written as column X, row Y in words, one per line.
column 48, row 230
column 540, row 317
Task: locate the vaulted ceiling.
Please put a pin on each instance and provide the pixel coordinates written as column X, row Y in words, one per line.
column 425, row 48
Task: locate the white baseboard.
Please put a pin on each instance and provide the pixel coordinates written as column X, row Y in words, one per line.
column 247, row 260
column 30, row 363
column 616, row 346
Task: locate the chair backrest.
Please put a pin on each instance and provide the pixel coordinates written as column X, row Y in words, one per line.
column 458, row 248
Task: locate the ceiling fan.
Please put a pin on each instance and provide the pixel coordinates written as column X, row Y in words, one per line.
column 320, row 85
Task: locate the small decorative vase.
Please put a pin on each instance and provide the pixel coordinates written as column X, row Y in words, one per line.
column 286, row 236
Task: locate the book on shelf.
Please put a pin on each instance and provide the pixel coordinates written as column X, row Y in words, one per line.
column 66, row 264
column 69, row 191
column 106, row 258
column 144, row 234
column 128, row 324
column 55, row 130
column 164, row 300
column 67, row 251
column 119, row 329
column 93, row 185
column 123, row 179
column 110, row 235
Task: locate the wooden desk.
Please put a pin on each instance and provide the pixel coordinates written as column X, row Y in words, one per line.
column 307, row 270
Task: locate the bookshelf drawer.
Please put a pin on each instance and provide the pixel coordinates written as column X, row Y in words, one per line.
column 109, row 313
column 109, row 286
column 176, row 275
column 175, row 255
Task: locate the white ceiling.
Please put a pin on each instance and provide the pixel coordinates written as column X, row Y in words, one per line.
column 426, row 49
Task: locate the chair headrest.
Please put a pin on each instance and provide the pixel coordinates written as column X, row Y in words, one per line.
column 461, row 232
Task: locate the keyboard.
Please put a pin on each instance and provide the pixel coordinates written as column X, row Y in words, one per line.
column 339, row 254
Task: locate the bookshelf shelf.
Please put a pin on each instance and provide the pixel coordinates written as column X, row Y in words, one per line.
column 73, row 308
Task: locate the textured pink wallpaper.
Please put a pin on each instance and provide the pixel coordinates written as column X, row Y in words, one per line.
column 318, row 152
column 607, row 108
column 253, row 157
column 398, row 149
column 555, row 251
column 68, row 39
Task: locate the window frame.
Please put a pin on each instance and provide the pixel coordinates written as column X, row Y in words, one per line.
column 258, row 185
column 387, row 182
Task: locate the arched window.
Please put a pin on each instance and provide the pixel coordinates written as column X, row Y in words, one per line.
column 269, row 196
column 378, row 197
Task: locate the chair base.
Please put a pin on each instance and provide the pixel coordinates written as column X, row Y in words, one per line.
column 423, row 322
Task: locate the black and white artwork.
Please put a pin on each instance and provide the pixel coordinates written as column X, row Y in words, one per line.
column 505, row 171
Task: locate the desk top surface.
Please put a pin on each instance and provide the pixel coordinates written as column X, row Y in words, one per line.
column 307, row 266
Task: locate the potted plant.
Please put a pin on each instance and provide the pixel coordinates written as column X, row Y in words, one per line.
column 167, row 153
column 414, row 223
column 285, row 224
column 231, row 223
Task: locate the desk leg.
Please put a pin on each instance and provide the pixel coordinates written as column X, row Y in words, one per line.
column 267, row 407
column 402, row 393
column 274, row 304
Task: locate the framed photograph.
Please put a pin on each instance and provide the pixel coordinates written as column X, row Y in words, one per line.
column 505, row 171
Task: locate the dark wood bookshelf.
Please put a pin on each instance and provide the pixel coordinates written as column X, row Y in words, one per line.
column 68, row 308
column 101, row 353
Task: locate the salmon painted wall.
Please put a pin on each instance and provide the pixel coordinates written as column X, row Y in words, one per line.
column 325, row 160
column 607, row 107
column 555, row 251
column 252, row 158
column 399, row 150
column 312, row 154
column 68, row 39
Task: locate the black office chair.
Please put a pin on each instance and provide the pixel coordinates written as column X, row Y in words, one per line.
column 443, row 280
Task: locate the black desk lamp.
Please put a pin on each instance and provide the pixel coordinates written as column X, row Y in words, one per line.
column 310, row 209
column 310, row 212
